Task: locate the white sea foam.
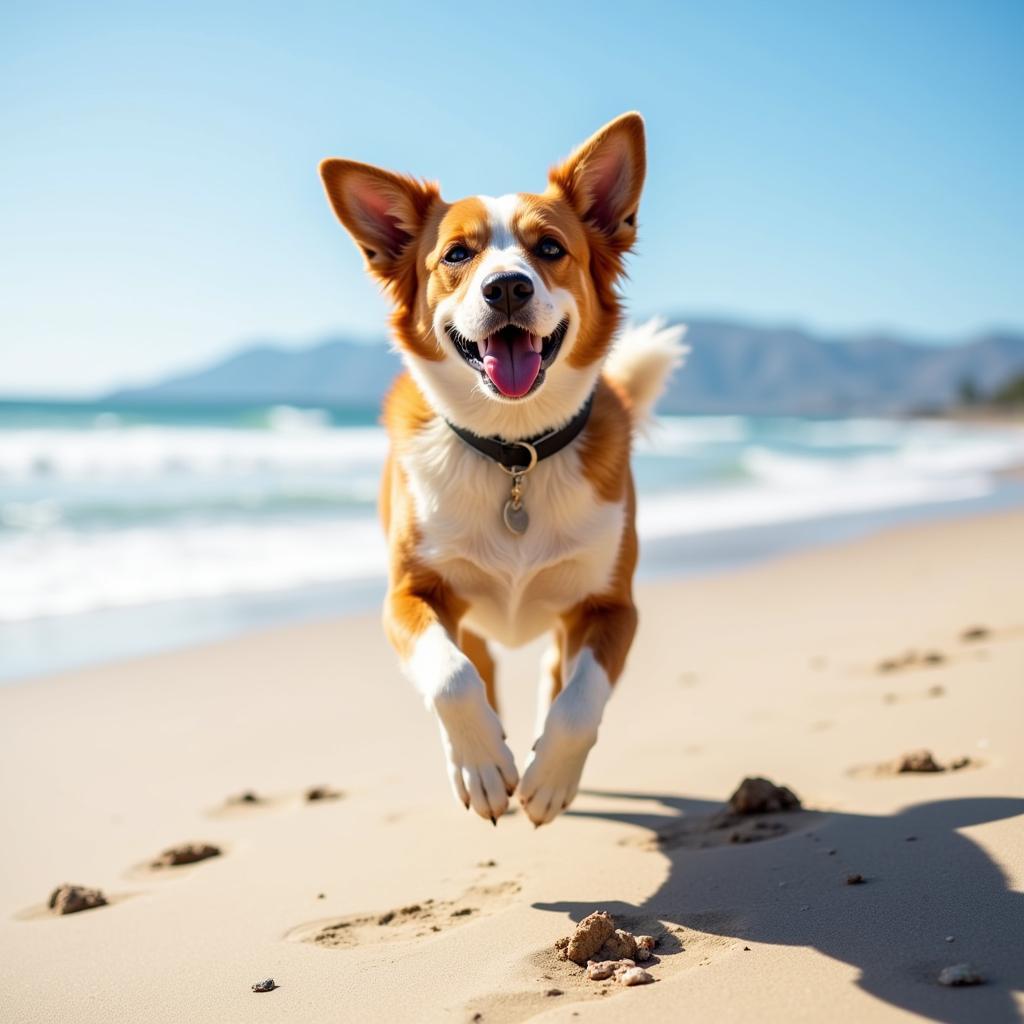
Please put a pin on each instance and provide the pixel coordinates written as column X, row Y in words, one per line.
column 146, row 452
column 118, row 516
column 64, row 573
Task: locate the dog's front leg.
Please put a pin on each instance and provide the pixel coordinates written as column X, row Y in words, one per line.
column 595, row 640
column 421, row 626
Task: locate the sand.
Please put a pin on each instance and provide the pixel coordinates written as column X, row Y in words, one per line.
column 391, row 903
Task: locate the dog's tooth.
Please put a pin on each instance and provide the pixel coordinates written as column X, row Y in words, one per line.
column 536, row 342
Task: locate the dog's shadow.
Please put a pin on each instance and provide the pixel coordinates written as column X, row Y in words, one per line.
column 924, row 881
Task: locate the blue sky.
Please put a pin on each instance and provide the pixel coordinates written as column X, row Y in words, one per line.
column 842, row 165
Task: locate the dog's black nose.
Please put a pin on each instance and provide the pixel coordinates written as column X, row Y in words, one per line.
column 508, row 291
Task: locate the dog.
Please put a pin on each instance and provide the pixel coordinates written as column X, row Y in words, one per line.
column 507, row 496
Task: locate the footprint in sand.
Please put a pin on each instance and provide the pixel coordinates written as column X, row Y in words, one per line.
column 915, row 762
column 70, row 899
column 414, row 921
column 249, row 801
column 175, row 861
column 912, row 659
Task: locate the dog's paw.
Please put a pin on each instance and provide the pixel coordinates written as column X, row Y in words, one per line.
column 553, row 775
column 480, row 765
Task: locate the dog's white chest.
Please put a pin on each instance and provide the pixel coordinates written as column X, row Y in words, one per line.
column 515, row 584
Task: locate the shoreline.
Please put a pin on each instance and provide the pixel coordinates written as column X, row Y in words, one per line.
column 775, row 670
column 38, row 648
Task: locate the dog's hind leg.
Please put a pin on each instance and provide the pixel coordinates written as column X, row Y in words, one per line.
column 474, row 647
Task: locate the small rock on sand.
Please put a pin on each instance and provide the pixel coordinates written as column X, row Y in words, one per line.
column 186, row 853
column 855, row 879
column 918, row 761
column 601, row 970
column 645, row 946
column 635, row 976
column 266, row 985
column 960, row 974
column 757, row 795
column 315, row 793
column 248, row 797
column 590, row 935
column 70, row 899
column 975, row 633
column 901, row 661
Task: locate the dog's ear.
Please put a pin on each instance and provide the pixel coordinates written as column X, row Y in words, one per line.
column 604, row 177
column 383, row 211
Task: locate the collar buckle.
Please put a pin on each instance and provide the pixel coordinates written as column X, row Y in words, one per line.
column 522, row 470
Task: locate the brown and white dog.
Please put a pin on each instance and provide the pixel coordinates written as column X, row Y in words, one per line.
column 505, row 312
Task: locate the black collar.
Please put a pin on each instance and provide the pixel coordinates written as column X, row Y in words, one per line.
column 513, row 455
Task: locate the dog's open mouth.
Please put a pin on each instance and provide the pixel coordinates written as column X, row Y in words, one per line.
column 512, row 361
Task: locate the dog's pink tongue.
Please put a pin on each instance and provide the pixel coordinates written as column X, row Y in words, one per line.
column 512, row 362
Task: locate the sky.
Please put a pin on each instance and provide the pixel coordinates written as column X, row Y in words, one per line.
column 848, row 166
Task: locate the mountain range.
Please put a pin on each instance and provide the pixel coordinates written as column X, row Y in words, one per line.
column 732, row 368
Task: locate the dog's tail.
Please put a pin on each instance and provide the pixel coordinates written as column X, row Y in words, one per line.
column 642, row 360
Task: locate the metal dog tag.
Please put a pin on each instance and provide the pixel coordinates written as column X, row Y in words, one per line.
column 516, row 517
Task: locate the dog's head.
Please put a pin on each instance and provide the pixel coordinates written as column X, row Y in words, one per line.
column 504, row 308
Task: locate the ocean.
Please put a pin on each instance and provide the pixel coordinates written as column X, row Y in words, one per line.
column 126, row 529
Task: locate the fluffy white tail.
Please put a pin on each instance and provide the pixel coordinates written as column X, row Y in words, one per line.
column 642, row 360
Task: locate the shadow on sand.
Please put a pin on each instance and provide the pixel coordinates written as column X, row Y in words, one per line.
column 924, row 881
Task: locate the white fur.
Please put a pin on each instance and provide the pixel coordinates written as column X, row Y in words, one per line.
column 642, row 360
column 516, row 586
column 553, row 775
column 481, row 768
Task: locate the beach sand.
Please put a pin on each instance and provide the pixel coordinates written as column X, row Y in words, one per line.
column 771, row 671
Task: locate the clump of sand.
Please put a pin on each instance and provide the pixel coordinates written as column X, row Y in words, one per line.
column 186, row 853
column 607, row 952
column 758, row 795
column 924, row 761
column 590, row 935
column 71, row 899
column 316, row 793
column 248, row 796
column 917, row 761
column 911, row 658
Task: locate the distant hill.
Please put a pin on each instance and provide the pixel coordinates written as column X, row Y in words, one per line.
column 732, row 368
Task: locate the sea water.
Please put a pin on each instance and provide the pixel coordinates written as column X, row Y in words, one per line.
column 133, row 528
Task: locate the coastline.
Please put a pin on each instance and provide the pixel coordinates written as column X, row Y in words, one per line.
column 38, row 648
column 771, row 669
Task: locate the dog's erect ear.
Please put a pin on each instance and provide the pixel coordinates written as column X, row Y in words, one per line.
column 604, row 177
column 384, row 212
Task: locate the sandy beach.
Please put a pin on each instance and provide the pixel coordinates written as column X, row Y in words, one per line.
column 390, row 903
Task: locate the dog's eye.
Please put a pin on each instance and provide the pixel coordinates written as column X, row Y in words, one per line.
column 549, row 249
column 457, row 253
